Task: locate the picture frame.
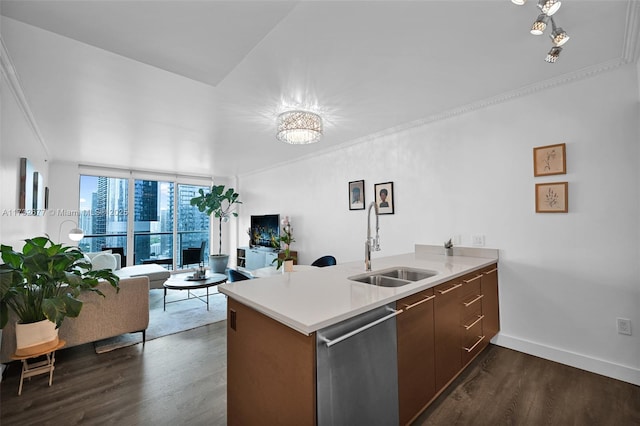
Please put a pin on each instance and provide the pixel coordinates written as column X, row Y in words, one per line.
column 550, row 160
column 384, row 197
column 552, row 197
column 38, row 193
column 25, row 186
column 356, row 195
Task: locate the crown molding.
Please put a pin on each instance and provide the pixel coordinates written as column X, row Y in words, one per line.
column 9, row 74
column 578, row 75
column 630, row 54
column 631, row 45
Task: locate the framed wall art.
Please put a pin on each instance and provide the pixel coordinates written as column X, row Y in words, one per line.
column 552, row 197
column 550, row 160
column 38, row 192
column 25, row 188
column 384, row 197
column 356, row 195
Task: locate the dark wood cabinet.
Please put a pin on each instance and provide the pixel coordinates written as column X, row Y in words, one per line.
column 490, row 305
column 416, row 365
column 446, row 306
column 471, row 318
column 293, row 253
column 271, row 370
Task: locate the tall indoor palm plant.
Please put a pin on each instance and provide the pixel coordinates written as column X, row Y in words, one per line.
column 220, row 203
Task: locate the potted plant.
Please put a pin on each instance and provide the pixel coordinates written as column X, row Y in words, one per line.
column 448, row 248
column 41, row 285
column 219, row 203
column 286, row 238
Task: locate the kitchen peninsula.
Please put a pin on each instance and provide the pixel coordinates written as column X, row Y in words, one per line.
column 279, row 329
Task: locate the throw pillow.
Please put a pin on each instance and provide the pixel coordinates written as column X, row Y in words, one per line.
column 104, row 261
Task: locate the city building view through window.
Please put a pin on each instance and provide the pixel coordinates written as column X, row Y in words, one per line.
column 107, row 212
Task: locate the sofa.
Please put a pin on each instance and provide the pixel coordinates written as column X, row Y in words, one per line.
column 106, row 260
column 126, row 311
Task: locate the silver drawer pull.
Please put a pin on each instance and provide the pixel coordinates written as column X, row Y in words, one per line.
column 413, row 305
column 491, row 271
column 467, row 327
column 473, row 279
column 467, row 304
column 450, row 289
column 345, row 336
column 480, row 339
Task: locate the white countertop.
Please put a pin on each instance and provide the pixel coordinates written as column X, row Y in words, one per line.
column 310, row 300
column 270, row 271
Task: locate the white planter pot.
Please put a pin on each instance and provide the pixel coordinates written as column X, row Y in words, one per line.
column 218, row 263
column 42, row 334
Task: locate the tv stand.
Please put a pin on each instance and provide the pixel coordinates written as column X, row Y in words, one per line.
column 252, row 258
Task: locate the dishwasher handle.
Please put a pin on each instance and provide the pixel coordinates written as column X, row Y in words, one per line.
column 345, row 336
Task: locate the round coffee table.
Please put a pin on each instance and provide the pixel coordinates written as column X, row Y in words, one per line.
column 184, row 282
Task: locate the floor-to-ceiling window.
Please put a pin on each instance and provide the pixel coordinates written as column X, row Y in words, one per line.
column 153, row 221
column 103, row 212
column 150, row 221
column 193, row 226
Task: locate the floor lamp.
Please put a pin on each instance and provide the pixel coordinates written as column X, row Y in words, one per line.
column 76, row 234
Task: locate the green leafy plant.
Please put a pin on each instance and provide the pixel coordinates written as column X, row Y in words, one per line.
column 44, row 280
column 286, row 238
column 219, row 203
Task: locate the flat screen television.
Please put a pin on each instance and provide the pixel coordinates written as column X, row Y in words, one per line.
column 263, row 228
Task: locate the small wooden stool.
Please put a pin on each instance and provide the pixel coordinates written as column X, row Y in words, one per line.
column 39, row 367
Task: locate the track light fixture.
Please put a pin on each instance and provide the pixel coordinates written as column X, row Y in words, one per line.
column 553, row 54
column 548, row 7
column 539, row 25
column 558, row 36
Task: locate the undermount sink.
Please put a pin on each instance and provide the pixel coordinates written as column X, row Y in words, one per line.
column 380, row 280
column 409, row 274
column 394, row 277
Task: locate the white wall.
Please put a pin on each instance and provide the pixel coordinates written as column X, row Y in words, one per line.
column 564, row 278
column 17, row 139
column 64, row 200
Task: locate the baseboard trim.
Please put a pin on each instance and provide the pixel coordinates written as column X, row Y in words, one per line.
column 583, row 362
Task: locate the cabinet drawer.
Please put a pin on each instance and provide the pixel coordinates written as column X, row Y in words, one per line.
column 471, row 305
column 415, row 300
column 473, row 341
column 471, row 284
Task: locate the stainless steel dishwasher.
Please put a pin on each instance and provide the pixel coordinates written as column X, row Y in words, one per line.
column 357, row 370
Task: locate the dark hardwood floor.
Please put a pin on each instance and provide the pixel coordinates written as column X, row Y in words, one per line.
column 506, row 387
column 181, row 380
column 177, row 379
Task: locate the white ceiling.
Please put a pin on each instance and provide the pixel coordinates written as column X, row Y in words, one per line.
column 195, row 86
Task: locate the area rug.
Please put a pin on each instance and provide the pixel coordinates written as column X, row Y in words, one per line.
column 180, row 316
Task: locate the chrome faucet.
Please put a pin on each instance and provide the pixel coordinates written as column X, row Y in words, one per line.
column 371, row 243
